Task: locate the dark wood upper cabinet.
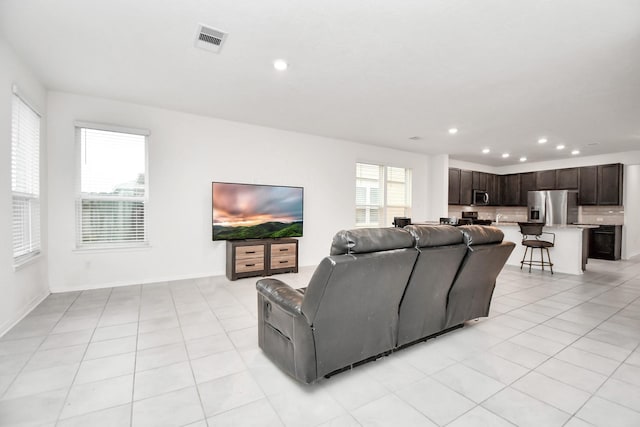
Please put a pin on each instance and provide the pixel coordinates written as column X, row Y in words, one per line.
column 567, row 179
column 546, row 180
column 454, row 186
column 588, row 189
column 527, row 183
column 596, row 185
column 510, row 189
column 610, row 184
column 493, row 188
column 480, row 181
column 466, row 187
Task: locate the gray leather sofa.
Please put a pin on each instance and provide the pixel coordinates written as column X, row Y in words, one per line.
column 379, row 289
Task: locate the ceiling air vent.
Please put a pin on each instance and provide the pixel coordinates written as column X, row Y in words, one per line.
column 209, row 38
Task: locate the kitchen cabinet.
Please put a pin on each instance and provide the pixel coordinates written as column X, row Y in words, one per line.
column 567, row 179
column 510, row 188
column 546, row 180
column 466, row 187
column 610, row 184
column 479, row 181
column 596, row 185
column 493, row 188
column 527, row 183
column 588, row 189
column 605, row 242
column 454, row 186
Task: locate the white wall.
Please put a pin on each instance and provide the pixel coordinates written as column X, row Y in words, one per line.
column 186, row 153
column 631, row 229
column 20, row 290
column 438, row 188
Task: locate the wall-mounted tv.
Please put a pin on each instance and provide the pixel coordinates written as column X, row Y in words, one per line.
column 250, row 211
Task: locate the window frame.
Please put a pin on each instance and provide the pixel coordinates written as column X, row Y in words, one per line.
column 80, row 196
column 383, row 207
column 33, row 249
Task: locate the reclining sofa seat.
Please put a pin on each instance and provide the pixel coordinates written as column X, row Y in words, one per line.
column 472, row 289
column 349, row 311
column 424, row 305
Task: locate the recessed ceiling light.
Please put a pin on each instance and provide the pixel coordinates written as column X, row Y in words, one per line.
column 505, row 155
column 453, row 131
column 486, row 151
column 280, row 64
column 523, row 159
column 542, row 141
column 574, row 152
column 560, row 147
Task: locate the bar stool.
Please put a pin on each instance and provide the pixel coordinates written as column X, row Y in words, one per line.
column 531, row 239
column 401, row 221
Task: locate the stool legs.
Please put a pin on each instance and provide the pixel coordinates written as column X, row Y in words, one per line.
column 542, row 261
column 550, row 263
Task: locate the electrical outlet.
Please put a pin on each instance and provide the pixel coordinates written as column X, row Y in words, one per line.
column 599, row 219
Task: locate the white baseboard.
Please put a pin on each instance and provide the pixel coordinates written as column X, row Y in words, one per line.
column 6, row 327
column 66, row 288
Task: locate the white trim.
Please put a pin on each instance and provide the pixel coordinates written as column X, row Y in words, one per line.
column 27, row 259
column 7, row 326
column 17, row 92
column 111, row 128
column 109, row 247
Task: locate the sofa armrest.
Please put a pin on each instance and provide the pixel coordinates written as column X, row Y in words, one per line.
column 284, row 296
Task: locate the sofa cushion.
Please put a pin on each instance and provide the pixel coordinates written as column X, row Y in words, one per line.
column 365, row 240
column 427, row 236
column 481, row 234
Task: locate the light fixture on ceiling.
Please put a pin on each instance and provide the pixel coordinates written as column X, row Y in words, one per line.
column 575, row 152
column 542, row 141
column 523, row 159
column 485, row 151
column 505, row 155
column 280, row 64
column 453, row 131
column 560, row 147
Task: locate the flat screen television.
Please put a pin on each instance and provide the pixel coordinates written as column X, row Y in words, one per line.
column 251, row 211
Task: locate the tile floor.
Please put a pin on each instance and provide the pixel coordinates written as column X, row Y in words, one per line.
column 557, row 351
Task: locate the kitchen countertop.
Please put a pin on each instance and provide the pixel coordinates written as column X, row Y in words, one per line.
column 568, row 226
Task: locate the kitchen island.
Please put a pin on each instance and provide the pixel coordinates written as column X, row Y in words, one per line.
column 569, row 254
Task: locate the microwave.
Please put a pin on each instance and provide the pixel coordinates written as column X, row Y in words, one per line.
column 480, row 198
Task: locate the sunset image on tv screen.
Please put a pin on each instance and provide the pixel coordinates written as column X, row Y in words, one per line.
column 246, row 211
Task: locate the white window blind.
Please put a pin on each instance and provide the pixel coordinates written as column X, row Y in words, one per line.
column 113, row 189
column 25, row 180
column 382, row 192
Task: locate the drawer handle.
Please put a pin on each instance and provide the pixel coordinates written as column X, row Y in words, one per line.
column 250, row 252
column 283, row 262
column 284, row 250
column 249, row 265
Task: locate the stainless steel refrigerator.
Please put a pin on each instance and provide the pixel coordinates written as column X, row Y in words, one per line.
column 553, row 207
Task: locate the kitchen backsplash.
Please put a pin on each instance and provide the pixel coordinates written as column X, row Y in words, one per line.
column 612, row 215
column 507, row 213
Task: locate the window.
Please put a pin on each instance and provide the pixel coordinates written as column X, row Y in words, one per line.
column 25, row 180
column 111, row 208
column 382, row 192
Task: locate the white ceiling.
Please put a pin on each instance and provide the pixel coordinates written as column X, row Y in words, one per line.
column 504, row 72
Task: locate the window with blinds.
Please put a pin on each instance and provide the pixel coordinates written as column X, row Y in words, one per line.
column 25, row 180
column 111, row 208
column 382, row 193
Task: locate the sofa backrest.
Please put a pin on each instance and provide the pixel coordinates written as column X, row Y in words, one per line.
column 423, row 307
column 353, row 297
column 470, row 294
